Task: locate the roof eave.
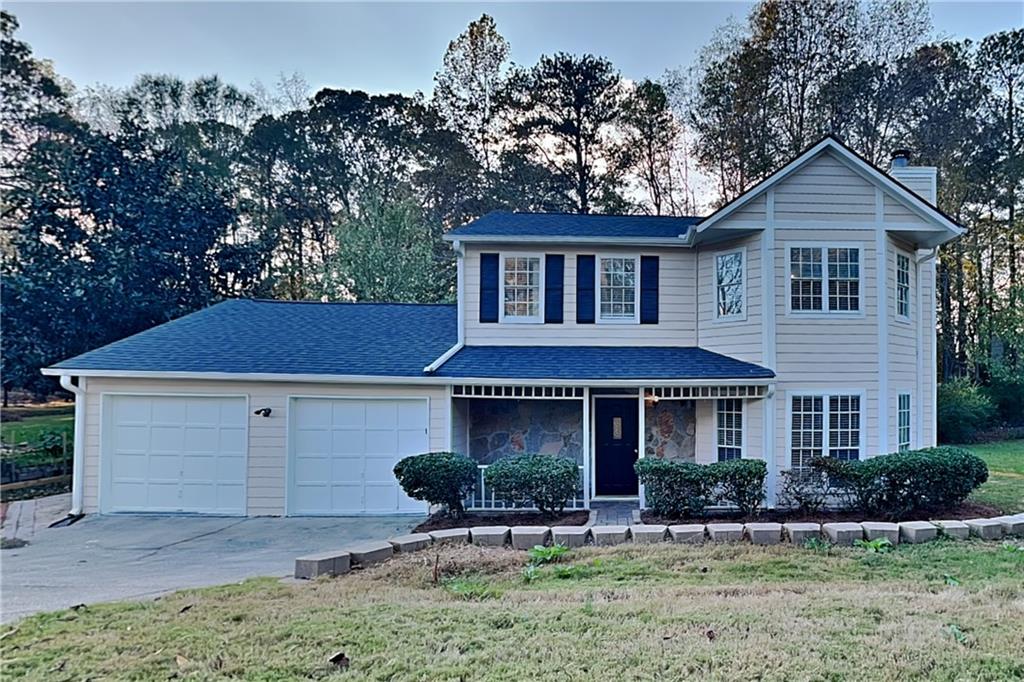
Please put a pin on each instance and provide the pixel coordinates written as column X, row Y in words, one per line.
column 683, row 240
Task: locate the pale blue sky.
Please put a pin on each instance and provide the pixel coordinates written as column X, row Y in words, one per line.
column 387, row 46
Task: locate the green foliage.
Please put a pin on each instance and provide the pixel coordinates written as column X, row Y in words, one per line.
column 817, row 545
column 1006, row 392
column 540, row 555
column 876, row 546
column 675, row 489
column 805, row 490
column 964, row 409
column 740, row 483
column 904, row 483
column 444, row 478
column 472, row 588
column 530, row 573
column 547, row 482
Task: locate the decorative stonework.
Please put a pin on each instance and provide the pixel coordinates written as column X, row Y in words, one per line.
column 669, row 430
column 499, row 428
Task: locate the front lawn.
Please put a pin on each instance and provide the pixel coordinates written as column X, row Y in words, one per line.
column 945, row 610
column 1005, row 487
column 33, row 422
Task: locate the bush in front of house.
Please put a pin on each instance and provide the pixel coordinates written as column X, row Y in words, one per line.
column 547, row 482
column 675, row 489
column 740, row 483
column 905, row 483
column 444, row 478
column 805, row 490
column 964, row 410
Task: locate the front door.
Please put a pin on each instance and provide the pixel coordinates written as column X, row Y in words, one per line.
column 616, row 441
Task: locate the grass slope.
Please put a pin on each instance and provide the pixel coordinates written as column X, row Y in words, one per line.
column 946, row 610
column 35, row 423
column 1005, row 486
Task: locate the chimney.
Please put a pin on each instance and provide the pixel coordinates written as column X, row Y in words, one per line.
column 920, row 179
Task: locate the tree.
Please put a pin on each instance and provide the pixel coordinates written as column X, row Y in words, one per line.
column 467, row 85
column 560, row 114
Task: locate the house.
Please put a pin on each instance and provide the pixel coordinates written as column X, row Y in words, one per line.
column 796, row 321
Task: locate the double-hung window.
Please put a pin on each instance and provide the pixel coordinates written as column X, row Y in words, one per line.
column 729, row 289
column 617, row 286
column 824, row 425
column 902, row 286
column 824, row 279
column 903, row 422
column 729, row 422
column 522, row 288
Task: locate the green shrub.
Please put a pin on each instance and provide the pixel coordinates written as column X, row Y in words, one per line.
column 740, row 482
column 805, row 490
column 905, row 483
column 675, row 489
column 444, row 478
column 1006, row 392
column 964, row 409
column 547, row 482
column 539, row 555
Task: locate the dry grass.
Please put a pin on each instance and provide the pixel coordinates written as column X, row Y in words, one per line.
column 633, row 613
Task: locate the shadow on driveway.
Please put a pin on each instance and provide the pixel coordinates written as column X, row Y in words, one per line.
column 105, row 558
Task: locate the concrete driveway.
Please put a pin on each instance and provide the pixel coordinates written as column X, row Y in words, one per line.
column 105, row 558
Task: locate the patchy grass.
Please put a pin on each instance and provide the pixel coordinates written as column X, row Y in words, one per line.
column 718, row 612
column 1005, row 487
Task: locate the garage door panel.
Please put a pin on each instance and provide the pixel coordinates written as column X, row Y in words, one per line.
column 175, row 453
column 313, row 469
column 368, row 437
column 309, row 442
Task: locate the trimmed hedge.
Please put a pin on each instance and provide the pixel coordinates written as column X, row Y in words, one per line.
column 675, row 489
column 740, row 483
column 444, row 478
column 546, row 481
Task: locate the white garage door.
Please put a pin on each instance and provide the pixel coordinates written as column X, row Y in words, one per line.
column 343, row 453
column 175, row 454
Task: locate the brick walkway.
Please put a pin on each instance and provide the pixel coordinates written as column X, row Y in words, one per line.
column 614, row 513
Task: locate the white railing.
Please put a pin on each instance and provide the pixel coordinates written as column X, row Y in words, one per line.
column 482, row 499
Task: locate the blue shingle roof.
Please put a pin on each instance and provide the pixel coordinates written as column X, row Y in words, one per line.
column 597, row 362
column 505, row 224
column 279, row 337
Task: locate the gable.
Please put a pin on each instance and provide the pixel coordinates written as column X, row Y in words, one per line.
column 825, row 190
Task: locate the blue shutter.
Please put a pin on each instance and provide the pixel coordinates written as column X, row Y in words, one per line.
column 584, row 289
column 648, row 290
column 554, row 284
column 488, row 287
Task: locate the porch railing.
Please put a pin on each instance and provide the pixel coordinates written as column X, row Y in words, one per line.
column 482, row 499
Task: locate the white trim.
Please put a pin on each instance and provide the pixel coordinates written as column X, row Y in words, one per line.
column 78, row 444
column 460, row 285
column 290, row 449
column 597, row 289
column 865, row 170
column 409, row 381
column 735, row 317
column 825, row 313
column 768, row 448
column 743, row 426
column 682, row 241
column 641, row 443
column 514, row 319
column 933, row 342
column 910, row 419
column 640, row 438
column 882, row 322
column 103, row 489
column 824, row 394
column 588, row 455
column 768, row 345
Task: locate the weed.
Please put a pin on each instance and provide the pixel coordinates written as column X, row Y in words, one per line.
column 959, row 635
column 530, row 573
column 541, row 555
column 471, row 588
column 876, row 546
column 951, row 580
column 816, row 544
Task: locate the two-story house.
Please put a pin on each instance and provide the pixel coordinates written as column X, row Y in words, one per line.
column 796, row 321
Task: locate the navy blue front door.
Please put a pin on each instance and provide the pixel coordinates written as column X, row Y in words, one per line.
column 616, row 441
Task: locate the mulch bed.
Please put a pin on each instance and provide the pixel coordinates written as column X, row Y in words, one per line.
column 441, row 521
column 967, row 510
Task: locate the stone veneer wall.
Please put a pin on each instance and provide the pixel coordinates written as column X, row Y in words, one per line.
column 502, row 427
column 670, row 430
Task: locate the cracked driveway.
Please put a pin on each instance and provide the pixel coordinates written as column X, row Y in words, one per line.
column 106, row 558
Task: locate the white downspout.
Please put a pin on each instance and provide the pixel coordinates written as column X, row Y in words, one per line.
column 78, row 462
column 460, row 253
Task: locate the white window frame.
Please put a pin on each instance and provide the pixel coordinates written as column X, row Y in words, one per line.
column 743, row 430
column 636, row 290
column 825, row 313
column 904, row 444
column 515, row 319
column 742, row 314
column 825, row 395
column 896, row 286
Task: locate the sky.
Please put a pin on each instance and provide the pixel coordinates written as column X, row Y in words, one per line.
column 387, row 47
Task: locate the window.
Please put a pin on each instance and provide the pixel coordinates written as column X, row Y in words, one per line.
column 902, row 286
column 729, row 285
column 817, row 274
column 522, row 288
column 617, row 283
column 903, row 422
column 730, row 429
column 815, row 434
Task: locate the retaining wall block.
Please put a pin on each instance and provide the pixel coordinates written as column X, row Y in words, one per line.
column 800, row 532
column 609, row 535
column 692, row 533
column 763, row 533
column 881, row 529
column 647, row 533
column 411, row 543
column 369, row 553
column 986, row 529
column 489, row 536
column 725, row 532
column 916, row 532
column 843, row 533
column 570, row 536
column 954, row 529
column 528, row 537
column 335, row 562
column 457, row 535
column 1012, row 525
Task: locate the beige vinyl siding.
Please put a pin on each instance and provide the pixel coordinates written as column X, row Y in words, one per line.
column 677, row 313
column 705, row 439
column 751, row 212
column 739, row 338
column 825, row 190
column 268, row 436
column 897, row 213
column 902, row 342
column 706, row 434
